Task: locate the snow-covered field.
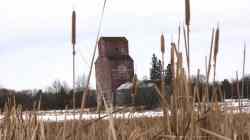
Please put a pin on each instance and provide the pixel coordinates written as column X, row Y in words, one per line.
column 62, row 115
column 56, row 116
column 236, row 105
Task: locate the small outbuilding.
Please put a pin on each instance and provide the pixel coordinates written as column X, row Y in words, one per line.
column 146, row 94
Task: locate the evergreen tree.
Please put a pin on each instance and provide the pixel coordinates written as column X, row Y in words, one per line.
column 168, row 74
column 227, row 91
column 155, row 70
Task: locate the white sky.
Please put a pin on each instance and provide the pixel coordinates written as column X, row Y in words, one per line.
column 35, row 35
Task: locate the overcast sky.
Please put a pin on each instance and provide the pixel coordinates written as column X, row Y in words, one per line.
column 35, row 44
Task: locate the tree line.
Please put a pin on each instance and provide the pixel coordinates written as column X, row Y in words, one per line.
column 60, row 96
column 226, row 89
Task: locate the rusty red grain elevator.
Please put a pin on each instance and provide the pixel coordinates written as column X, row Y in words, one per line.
column 113, row 67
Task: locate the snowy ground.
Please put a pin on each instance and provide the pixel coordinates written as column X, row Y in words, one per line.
column 228, row 105
column 62, row 115
column 89, row 116
column 236, row 105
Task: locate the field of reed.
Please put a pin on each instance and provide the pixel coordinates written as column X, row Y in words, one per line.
column 188, row 114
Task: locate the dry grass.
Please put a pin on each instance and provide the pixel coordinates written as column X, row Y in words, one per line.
column 180, row 125
column 183, row 118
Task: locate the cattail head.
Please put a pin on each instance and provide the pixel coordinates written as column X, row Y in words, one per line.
column 216, row 43
column 162, row 44
column 187, row 12
column 173, row 49
column 179, row 36
column 73, row 27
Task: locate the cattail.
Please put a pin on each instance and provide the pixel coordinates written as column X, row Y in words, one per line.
column 185, row 33
column 134, row 89
column 216, row 43
column 173, row 45
column 216, row 48
column 162, row 64
column 187, row 15
column 243, row 70
column 179, row 63
column 74, row 27
column 162, row 44
column 179, row 36
column 173, row 51
column 210, row 56
column 187, row 12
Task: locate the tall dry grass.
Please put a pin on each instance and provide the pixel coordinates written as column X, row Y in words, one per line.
column 185, row 118
column 182, row 123
column 186, row 114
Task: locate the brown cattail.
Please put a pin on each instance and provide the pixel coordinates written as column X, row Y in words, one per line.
column 187, row 50
column 73, row 27
column 210, row 56
column 243, row 70
column 180, row 60
column 216, row 48
column 162, row 44
column 216, row 43
column 187, row 12
column 173, row 50
column 187, row 15
column 179, row 38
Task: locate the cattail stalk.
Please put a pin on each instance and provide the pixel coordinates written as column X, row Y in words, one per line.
column 188, row 43
column 73, row 44
column 186, row 50
column 210, row 56
column 109, row 111
column 173, row 51
column 216, row 48
column 187, row 12
column 162, row 67
column 134, row 89
column 165, row 114
column 73, row 37
column 162, row 44
column 243, row 71
column 206, row 66
column 238, row 90
column 92, row 59
column 179, row 38
column 187, row 21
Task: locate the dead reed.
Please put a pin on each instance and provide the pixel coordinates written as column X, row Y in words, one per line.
column 188, row 113
column 216, row 48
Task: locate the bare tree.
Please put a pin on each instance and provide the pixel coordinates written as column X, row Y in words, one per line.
column 201, row 78
column 81, row 83
column 57, row 86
